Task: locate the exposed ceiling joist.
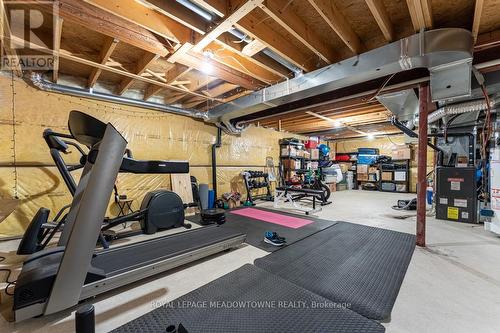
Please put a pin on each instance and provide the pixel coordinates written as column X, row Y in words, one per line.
column 101, row 21
column 286, row 18
column 241, row 63
column 221, row 71
column 420, row 13
column 234, row 44
column 71, row 57
column 181, row 14
column 106, row 51
column 478, row 11
column 261, row 31
column 136, row 13
column 140, row 67
column 218, row 7
column 57, row 46
column 253, row 48
column 213, row 92
column 334, row 18
column 379, row 12
column 238, row 10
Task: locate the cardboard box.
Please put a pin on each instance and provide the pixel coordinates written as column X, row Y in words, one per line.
column 400, row 175
column 372, row 177
column 401, row 188
column 401, row 153
column 345, row 166
column 314, row 153
column 306, row 154
column 289, row 151
column 291, row 164
column 372, row 169
column 333, row 187
column 362, row 176
column 386, row 175
column 362, row 168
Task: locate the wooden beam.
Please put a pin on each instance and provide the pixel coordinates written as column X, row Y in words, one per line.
column 147, row 18
column 261, row 31
column 242, row 64
column 478, row 10
column 217, row 91
column 233, row 43
column 106, row 50
column 181, row 14
column 140, row 67
column 337, row 22
column 57, row 45
column 379, row 12
column 293, row 24
column 487, row 40
column 6, row 35
column 71, row 57
column 218, row 7
column 101, row 21
column 221, row 71
column 420, row 14
column 237, row 10
column 253, row 48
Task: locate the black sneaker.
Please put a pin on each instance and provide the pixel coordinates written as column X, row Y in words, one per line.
column 274, row 239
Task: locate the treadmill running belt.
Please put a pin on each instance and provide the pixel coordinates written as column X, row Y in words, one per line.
column 251, row 300
column 122, row 259
column 352, row 263
column 255, row 229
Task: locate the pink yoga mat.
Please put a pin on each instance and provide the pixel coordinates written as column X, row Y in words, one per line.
column 284, row 220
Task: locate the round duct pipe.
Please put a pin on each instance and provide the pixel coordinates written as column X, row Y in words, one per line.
column 39, row 82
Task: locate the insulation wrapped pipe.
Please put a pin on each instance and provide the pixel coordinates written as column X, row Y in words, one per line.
column 472, row 106
column 41, row 83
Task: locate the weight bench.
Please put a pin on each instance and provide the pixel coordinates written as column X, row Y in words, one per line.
column 292, row 195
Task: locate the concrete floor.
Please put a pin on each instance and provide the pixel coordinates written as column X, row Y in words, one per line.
column 453, row 285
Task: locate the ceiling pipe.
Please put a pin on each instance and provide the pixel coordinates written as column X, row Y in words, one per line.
column 270, row 53
column 37, row 80
column 446, row 53
column 465, row 107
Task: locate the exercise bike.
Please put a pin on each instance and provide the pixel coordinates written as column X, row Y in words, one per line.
column 159, row 210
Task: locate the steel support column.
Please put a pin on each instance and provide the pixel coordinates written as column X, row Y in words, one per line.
column 424, row 98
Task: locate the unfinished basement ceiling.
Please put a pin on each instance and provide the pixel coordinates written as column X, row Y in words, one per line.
column 178, row 57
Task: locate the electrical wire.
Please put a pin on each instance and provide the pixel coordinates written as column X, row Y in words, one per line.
column 380, row 88
column 9, row 273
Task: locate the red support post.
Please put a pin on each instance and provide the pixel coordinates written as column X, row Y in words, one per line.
column 424, row 98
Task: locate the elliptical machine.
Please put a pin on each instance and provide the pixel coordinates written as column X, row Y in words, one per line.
column 159, row 210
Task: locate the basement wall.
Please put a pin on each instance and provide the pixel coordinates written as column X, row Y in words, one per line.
column 28, row 172
column 386, row 144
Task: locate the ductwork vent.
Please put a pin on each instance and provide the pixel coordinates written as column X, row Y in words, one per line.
column 403, row 104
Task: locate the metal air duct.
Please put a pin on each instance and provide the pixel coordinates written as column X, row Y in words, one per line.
column 447, row 53
column 38, row 81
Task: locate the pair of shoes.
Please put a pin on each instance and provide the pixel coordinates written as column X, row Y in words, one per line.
column 273, row 238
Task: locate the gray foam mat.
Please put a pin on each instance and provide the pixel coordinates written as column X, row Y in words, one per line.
column 351, row 263
column 255, row 229
column 263, row 304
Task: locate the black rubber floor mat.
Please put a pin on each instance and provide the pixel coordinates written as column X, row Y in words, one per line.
column 255, row 229
column 352, row 263
column 251, row 300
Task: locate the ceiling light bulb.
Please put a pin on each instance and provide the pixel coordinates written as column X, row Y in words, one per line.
column 207, row 67
column 370, row 136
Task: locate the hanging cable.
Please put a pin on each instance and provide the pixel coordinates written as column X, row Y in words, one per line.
column 14, row 157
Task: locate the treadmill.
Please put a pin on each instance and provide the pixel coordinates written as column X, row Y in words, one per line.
column 57, row 278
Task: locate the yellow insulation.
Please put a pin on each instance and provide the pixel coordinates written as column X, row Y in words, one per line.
column 151, row 135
